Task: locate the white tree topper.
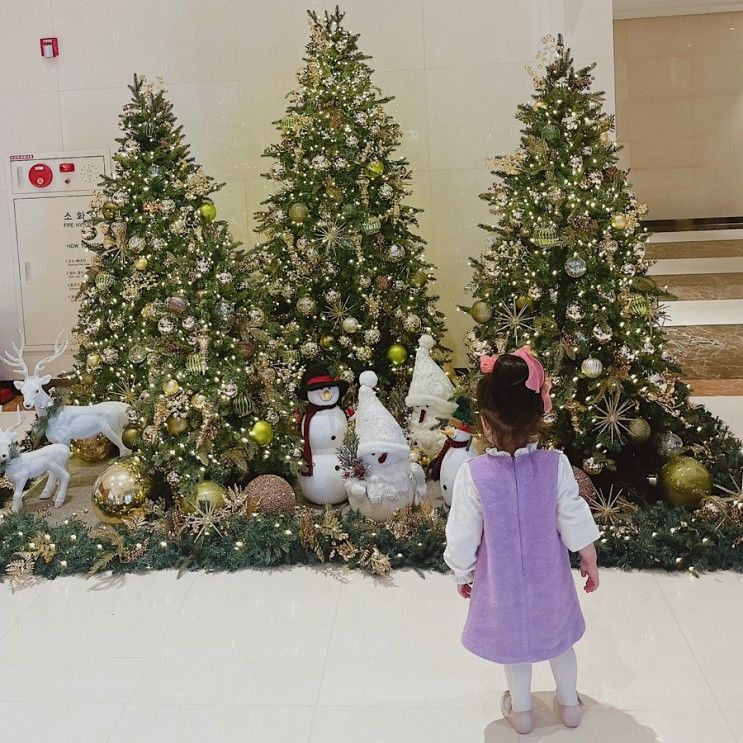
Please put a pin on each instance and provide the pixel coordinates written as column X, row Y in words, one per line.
column 51, row 460
column 69, row 421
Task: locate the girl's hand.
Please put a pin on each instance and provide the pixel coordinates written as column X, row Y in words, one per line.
column 464, row 590
column 589, row 569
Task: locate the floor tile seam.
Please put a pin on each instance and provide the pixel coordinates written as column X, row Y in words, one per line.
column 27, row 609
column 325, row 664
column 149, row 662
column 687, row 640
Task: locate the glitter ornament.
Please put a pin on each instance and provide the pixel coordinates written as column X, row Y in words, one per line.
column 165, row 325
column 153, row 171
column 685, row 482
column 395, row 253
column 178, row 305
column 306, row 306
column 88, row 233
column 550, row 132
column 669, row 444
column 198, row 401
column 638, row 430
column 412, row 323
column 270, row 494
column 171, row 387
column 298, row 213
column 92, row 450
column 141, row 263
column 592, row 466
column 137, row 354
column 481, row 312
column 228, row 389
column 136, row 244
column 574, row 312
column 310, row 349
column 575, row 267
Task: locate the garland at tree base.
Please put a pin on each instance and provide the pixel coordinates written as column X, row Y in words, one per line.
column 658, row 537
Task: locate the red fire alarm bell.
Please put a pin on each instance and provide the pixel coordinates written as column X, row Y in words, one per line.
column 49, row 47
column 40, row 175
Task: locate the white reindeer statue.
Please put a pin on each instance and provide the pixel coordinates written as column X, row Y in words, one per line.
column 21, row 468
column 68, row 421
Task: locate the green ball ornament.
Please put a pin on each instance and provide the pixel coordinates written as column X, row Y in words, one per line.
column 261, row 433
column 327, row 342
column 375, row 168
column 207, row 495
column 193, row 363
column 242, row 405
column 397, row 354
column 550, row 132
column 638, row 430
column 109, row 210
column 298, row 213
column 481, row 312
column 208, row 211
column 685, row 482
column 371, row 225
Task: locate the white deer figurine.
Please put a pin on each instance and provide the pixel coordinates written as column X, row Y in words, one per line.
column 68, row 422
column 19, row 469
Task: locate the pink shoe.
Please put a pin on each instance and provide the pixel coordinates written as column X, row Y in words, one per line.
column 571, row 715
column 521, row 722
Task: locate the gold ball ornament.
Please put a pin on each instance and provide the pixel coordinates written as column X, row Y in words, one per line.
column 397, row 354
column 95, row 449
column 327, row 342
column 375, row 168
column 198, row 401
column 208, row 211
column 270, row 494
column 685, row 481
column 120, row 491
column 131, row 437
column 171, row 387
column 298, row 213
column 177, row 425
column 93, row 361
column 141, row 263
column 638, row 430
column 481, row 312
column 619, row 221
column 206, row 495
column 261, row 433
column 351, row 325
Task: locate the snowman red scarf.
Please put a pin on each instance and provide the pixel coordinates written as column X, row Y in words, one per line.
column 435, row 469
column 309, row 414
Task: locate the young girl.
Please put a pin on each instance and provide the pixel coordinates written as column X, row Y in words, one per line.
column 515, row 514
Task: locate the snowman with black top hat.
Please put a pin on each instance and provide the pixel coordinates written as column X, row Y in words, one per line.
column 323, row 427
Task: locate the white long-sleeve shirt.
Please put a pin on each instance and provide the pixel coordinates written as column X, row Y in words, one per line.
column 465, row 524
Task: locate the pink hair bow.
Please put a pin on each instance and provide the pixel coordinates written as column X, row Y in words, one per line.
column 537, row 381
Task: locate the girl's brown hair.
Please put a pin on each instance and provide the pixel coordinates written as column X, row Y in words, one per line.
column 507, row 405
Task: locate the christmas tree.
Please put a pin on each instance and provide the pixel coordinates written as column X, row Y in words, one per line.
column 341, row 263
column 565, row 272
column 166, row 321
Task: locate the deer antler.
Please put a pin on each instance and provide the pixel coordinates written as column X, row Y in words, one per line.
column 16, row 362
column 59, row 349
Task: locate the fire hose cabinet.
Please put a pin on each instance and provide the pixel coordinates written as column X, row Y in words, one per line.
column 49, row 202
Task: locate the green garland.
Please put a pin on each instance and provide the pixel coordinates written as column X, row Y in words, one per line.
column 657, row 537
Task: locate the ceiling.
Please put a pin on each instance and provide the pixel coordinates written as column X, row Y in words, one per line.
column 651, row 8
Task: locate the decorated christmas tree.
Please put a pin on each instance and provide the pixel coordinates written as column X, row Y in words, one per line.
column 166, row 322
column 564, row 271
column 341, row 262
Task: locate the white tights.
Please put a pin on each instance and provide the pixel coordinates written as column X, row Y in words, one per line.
column 565, row 671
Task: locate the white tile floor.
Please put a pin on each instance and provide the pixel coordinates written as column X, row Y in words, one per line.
column 327, row 656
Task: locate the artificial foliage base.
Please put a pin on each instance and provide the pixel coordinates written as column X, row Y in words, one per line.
column 656, row 537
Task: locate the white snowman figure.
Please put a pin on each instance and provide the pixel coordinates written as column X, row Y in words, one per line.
column 391, row 481
column 323, row 428
column 458, row 449
column 429, row 397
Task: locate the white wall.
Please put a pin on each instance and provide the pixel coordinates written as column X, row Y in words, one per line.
column 455, row 67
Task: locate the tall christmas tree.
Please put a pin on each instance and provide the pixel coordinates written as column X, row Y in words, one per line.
column 564, row 271
column 166, row 322
column 341, row 262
